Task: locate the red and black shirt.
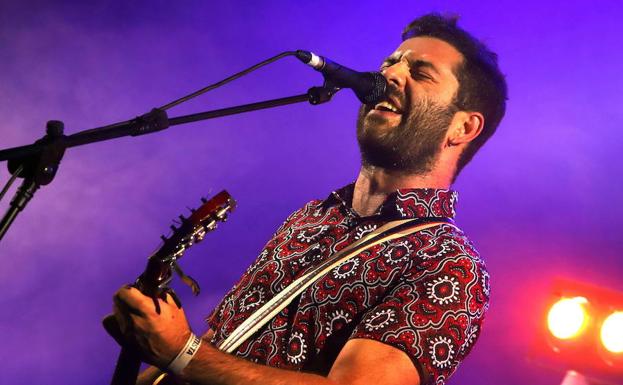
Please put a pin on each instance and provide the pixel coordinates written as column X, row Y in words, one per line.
column 425, row 293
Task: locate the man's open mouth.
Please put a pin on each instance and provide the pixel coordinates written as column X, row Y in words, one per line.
column 387, row 105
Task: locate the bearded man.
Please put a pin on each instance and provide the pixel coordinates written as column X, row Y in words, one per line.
column 406, row 311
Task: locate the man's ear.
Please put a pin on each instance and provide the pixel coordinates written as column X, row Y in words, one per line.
column 467, row 126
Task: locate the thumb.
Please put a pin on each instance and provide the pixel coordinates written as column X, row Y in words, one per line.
column 112, row 327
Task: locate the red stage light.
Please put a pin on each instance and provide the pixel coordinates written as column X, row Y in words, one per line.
column 582, row 330
column 568, row 317
column 612, row 333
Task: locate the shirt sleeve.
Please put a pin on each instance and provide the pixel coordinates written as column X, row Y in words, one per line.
column 434, row 314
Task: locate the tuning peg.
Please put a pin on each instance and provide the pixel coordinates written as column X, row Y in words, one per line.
column 209, row 226
column 164, row 239
column 191, row 209
column 173, row 228
column 182, row 218
column 204, row 200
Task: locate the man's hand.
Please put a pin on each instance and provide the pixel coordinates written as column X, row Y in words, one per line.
column 159, row 337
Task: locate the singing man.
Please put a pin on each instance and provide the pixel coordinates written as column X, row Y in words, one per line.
column 406, row 311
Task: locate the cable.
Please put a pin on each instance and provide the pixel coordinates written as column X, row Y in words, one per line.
column 180, row 100
column 227, row 80
column 10, row 182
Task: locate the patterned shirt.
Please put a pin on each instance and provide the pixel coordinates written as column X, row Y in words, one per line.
column 425, row 293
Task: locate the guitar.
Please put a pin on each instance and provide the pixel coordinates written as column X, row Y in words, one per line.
column 161, row 265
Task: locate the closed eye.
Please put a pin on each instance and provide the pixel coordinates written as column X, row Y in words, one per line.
column 419, row 75
column 419, row 68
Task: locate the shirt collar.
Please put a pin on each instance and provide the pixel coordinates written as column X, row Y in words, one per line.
column 403, row 203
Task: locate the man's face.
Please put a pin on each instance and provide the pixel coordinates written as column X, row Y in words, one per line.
column 405, row 133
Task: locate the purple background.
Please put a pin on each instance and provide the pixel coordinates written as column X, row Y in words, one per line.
column 540, row 200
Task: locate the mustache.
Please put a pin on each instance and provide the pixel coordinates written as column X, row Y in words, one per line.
column 395, row 96
column 393, row 92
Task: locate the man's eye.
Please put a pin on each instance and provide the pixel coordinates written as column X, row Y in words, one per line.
column 420, row 75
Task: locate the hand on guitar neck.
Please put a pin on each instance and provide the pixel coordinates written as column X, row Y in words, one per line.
column 158, row 337
column 148, row 321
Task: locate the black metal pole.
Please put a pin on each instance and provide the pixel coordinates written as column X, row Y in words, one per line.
column 43, row 157
column 238, row 109
column 135, row 127
column 24, row 194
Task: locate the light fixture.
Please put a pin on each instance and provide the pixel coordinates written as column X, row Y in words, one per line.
column 568, row 317
column 612, row 333
column 582, row 329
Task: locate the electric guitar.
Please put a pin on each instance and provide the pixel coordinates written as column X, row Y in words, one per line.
column 161, row 265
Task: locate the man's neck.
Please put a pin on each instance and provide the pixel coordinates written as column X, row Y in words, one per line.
column 373, row 185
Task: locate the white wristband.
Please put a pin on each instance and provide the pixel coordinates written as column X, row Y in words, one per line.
column 185, row 355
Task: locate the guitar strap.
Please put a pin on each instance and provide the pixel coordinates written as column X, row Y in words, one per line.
column 387, row 232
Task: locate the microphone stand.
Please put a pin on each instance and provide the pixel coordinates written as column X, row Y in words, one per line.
column 38, row 163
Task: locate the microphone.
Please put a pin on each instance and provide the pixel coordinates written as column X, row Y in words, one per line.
column 369, row 87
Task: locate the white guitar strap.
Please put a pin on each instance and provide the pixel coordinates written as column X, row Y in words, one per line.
column 264, row 314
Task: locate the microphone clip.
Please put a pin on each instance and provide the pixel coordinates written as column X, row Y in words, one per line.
column 322, row 94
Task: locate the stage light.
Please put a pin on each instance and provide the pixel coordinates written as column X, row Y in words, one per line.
column 568, row 317
column 582, row 328
column 612, row 332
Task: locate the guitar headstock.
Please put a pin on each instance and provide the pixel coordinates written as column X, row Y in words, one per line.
column 193, row 229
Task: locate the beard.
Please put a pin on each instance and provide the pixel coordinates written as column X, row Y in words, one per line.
column 410, row 147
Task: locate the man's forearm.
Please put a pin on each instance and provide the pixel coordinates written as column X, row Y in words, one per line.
column 212, row 367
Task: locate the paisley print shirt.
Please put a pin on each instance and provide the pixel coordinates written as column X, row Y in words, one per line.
column 425, row 293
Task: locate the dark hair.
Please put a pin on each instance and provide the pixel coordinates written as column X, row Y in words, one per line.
column 482, row 87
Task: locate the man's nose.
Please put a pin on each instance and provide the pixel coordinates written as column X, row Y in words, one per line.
column 397, row 74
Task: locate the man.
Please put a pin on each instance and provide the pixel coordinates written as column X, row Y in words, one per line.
column 403, row 312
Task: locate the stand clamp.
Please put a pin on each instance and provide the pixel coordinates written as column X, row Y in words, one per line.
column 37, row 170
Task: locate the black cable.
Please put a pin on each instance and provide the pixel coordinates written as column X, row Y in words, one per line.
column 227, row 80
column 10, row 182
column 88, row 136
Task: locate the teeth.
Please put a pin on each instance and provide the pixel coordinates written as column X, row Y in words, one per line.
column 386, row 105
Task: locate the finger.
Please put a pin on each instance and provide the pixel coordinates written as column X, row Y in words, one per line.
column 131, row 300
column 124, row 309
column 169, row 302
column 111, row 326
column 170, row 294
column 131, row 295
column 132, row 324
column 122, row 318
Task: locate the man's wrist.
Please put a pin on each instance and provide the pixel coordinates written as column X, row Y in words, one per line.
column 205, row 365
column 185, row 355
